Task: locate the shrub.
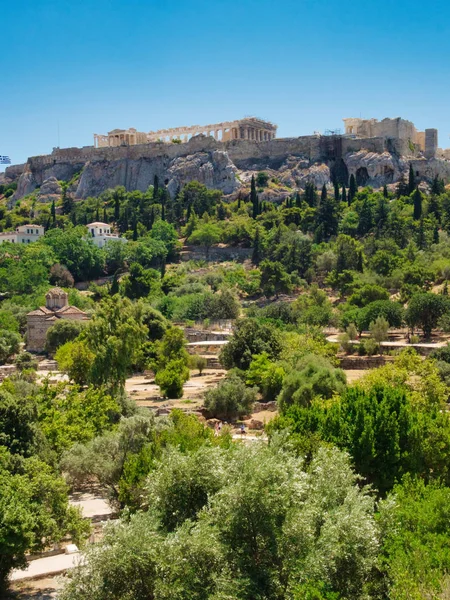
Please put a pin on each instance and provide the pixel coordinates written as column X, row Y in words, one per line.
column 314, row 376
column 61, row 332
column 230, row 399
column 371, row 347
column 197, row 362
column 60, row 275
column 171, row 379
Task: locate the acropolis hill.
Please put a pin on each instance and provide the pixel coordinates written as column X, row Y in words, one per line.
column 223, row 155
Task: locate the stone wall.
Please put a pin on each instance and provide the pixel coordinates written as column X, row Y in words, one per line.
column 216, row 253
column 213, row 163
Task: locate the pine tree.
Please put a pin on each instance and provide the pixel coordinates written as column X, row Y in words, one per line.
column 256, row 254
column 411, row 180
column 417, row 199
column 254, row 198
column 352, row 189
column 385, row 191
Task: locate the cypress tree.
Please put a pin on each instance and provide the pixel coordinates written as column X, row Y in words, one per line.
column 53, row 212
column 97, row 214
column 337, row 198
column 152, row 218
column 256, row 254
column 254, row 198
column 433, row 207
column 135, row 231
column 67, row 202
column 344, row 194
column 326, row 217
column 402, row 187
column 73, row 217
column 352, row 189
column 116, row 207
column 438, row 186
column 298, row 200
column 385, row 191
column 105, row 216
column 417, row 199
column 155, row 188
column 411, row 180
column 421, row 239
column 435, row 235
column 360, row 262
column 310, row 194
column 162, row 193
column 239, row 201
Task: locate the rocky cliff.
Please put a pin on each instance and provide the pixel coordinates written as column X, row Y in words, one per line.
column 223, row 165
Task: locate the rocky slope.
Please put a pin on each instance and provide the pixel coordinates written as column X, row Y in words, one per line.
column 290, row 162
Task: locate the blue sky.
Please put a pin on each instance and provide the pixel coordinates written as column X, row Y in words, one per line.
column 92, row 65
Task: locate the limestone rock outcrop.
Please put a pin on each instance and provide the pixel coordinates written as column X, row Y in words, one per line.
column 375, row 169
column 50, row 190
column 213, row 169
column 296, row 172
column 225, row 165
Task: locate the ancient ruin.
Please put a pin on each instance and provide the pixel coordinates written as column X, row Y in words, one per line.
column 249, row 128
column 397, row 129
column 377, row 153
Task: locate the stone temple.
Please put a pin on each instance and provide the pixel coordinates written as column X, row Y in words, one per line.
column 40, row 320
column 250, row 128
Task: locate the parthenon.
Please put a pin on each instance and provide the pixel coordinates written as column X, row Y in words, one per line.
column 249, row 128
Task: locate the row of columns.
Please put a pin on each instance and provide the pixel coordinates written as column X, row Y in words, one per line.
column 122, row 138
column 234, row 133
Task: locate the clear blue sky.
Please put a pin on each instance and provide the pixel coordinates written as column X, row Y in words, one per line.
column 93, row 65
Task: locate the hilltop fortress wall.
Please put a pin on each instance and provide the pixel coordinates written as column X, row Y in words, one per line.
column 310, row 146
column 212, row 162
